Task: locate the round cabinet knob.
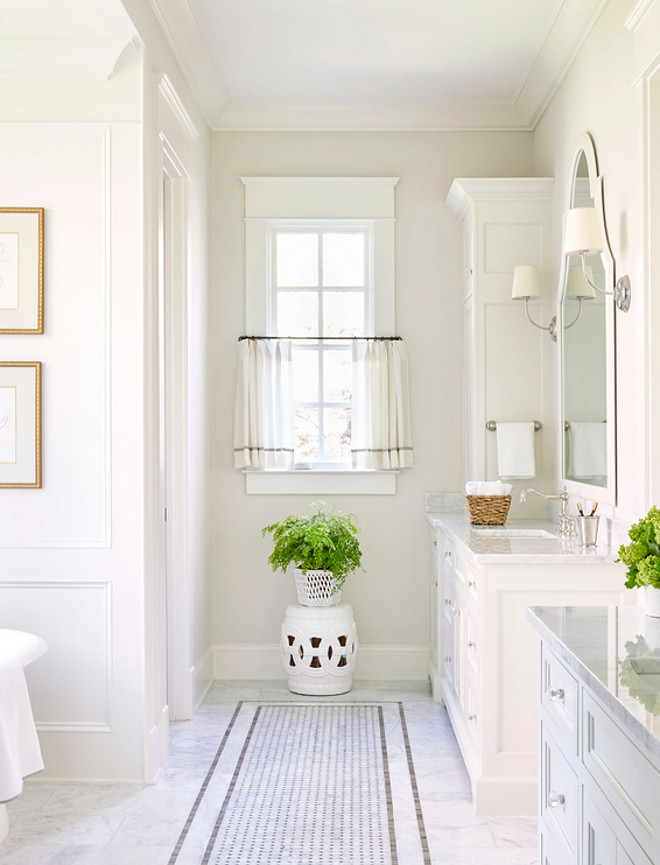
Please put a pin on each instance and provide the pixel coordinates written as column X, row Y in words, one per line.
column 455, row 611
column 447, row 602
column 472, row 584
column 447, row 659
column 556, row 693
column 472, row 644
column 472, row 717
column 556, row 799
column 435, row 543
column 448, row 554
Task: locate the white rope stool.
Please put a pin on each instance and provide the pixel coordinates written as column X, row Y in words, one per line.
column 319, row 649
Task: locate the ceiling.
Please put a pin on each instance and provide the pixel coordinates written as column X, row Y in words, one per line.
column 375, row 64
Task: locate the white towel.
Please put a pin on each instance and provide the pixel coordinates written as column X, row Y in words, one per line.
column 487, row 488
column 20, row 754
column 587, row 452
column 515, row 450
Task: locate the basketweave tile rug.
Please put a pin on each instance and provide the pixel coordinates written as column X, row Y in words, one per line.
column 308, row 784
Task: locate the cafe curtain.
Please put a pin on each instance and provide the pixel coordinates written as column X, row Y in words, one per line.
column 381, row 436
column 263, row 437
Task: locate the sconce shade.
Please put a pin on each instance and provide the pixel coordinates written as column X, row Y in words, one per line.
column 526, row 284
column 582, row 232
column 576, row 284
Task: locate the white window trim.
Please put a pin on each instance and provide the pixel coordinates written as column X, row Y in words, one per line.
column 275, row 201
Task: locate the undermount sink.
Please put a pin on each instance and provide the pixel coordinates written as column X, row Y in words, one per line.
column 512, row 533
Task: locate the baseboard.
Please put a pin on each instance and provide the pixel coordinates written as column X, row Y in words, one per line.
column 374, row 663
column 201, row 677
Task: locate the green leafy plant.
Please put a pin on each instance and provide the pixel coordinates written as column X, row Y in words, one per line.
column 325, row 541
column 642, row 554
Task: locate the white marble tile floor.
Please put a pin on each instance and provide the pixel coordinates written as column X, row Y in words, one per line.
column 121, row 824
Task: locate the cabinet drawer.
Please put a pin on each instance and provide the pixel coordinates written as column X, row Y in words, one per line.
column 559, row 697
column 598, row 839
column 559, row 796
column 473, row 581
column 471, row 643
column 627, row 779
column 472, row 703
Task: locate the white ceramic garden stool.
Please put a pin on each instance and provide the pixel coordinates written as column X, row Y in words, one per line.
column 319, row 649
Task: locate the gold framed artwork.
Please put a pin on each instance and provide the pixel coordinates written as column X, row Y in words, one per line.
column 20, row 424
column 21, row 270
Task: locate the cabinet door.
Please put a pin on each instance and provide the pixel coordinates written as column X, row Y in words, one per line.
column 598, row 840
column 436, row 546
column 559, row 797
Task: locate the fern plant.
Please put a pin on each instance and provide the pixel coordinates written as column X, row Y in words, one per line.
column 325, row 541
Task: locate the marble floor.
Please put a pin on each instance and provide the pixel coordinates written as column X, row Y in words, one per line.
column 121, row 824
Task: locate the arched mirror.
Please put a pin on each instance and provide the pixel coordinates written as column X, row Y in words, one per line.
column 586, row 325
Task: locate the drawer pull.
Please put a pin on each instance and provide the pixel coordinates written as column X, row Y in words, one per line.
column 556, row 799
column 455, row 611
column 472, row 644
column 472, row 717
column 448, row 555
column 472, row 584
column 447, row 602
column 556, row 693
column 447, row 659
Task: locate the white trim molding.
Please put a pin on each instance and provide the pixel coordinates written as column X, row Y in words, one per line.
column 320, row 483
column 174, row 101
column 249, row 662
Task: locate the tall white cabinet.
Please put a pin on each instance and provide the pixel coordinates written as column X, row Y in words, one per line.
column 506, row 222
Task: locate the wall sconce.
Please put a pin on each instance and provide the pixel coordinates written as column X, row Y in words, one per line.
column 579, row 286
column 526, row 286
column 582, row 237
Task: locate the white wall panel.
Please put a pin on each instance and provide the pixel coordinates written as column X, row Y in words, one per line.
column 71, row 509
column 70, row 688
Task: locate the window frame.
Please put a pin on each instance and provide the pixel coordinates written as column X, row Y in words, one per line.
column 277, row 200
column 364, row 227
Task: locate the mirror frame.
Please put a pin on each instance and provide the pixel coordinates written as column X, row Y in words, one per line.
column 605, row 494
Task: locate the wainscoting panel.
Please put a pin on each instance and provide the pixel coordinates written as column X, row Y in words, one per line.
column 70, row 685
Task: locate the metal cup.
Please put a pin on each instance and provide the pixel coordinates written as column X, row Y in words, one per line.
column 587, row 530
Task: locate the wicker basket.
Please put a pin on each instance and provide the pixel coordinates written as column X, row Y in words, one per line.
column 488, row 510
column 316, row 588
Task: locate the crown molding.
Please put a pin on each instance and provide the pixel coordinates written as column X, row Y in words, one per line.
column 637, row 14
column 186, row 39
column 65, row 60
column 465, row 190
column 169, row 94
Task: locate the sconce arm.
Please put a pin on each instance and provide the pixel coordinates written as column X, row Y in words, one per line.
column 551, row 328
column 575, row 320
column 621, row 291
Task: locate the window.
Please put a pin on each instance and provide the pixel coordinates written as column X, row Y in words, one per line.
column 321, row 287
column 320, row 262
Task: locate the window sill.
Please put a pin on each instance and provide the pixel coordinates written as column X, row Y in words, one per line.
column 325, row 483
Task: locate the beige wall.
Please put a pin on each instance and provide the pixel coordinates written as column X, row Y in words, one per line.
column 598, row 96
column 391, row 599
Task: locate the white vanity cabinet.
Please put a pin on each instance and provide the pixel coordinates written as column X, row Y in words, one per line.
column 599, row 767
column 483, row 660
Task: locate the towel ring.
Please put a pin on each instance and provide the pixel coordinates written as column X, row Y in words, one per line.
column 491, row 426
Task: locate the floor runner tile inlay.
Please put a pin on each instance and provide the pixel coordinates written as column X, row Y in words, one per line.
column 308, row 784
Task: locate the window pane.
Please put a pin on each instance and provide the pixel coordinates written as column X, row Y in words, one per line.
column 337, row 376
column 337, row 442
column 297, row 313
column 343, row 259
column 343, row 313
column 306, row 375
column 297, row 260
column 306, row 435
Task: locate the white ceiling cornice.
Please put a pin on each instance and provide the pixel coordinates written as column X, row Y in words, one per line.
column 568, row 26
column 184, row 35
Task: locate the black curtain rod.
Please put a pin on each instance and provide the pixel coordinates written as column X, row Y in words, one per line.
column 321, row 338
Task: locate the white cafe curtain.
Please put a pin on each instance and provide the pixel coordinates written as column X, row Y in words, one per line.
column 264, row 405
column 381, row 436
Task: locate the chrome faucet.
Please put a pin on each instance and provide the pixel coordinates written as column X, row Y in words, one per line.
column 566, row 525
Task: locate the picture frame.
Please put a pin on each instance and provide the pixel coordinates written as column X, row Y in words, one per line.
column 21, row 270
column 20, row 424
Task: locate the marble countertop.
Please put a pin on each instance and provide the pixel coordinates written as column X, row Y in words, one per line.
column 492, row 544
column 598, row 645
